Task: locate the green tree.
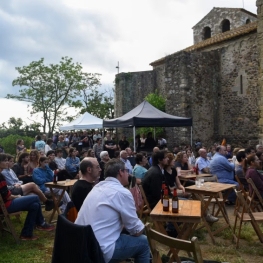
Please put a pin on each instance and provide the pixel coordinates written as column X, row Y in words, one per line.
column 98, row 104
column 158, row 101
column 51, row 89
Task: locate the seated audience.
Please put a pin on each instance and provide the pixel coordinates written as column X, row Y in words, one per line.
column 104, row 156
column 251, row 166
column 48, row 146
column 155, row 149
column 124, row 159
column 108, row 208
column 21, row 168
column 250, row 150
column 40, row 144
column 98, row 148
column 30, row 203
column 18, row 188
column 51, row 160
column 224, row 170
column 241, row 156
column 20, row 147
column 139, row 169
column 229, row 153
column 130, row 156
column 260, row 157
column 33, row 161
column 191, row 157
column 202, row 162
column 90, row 153
column 90, row 173
column 181, row 164
column 170, row 175
column 152, row 181
column 72, row 163
column 42, row 175
column 259, row 148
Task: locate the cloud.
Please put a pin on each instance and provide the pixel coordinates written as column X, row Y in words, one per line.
column 97, row 34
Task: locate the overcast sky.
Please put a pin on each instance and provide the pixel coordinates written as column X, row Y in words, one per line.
column 96, row 33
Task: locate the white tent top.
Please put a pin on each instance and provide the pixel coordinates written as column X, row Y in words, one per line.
column 85, row 121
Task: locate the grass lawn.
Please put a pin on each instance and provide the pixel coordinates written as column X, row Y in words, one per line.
column 251, row 250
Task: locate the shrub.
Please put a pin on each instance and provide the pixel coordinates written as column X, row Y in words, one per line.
column 9, row 143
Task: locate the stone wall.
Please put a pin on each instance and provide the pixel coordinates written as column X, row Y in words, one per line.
column 218, row 86
column 192, row 81
column 239, row 98
column 214, row 19
column 260, row 72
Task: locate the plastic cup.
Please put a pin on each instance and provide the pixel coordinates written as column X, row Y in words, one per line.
column 197, row 183
column 202, row 180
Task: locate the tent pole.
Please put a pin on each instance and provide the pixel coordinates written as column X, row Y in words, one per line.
column 191, row 136
column 134, row 145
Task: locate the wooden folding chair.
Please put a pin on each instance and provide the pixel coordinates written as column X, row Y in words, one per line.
column 254, row 203
column 245, row 214
column 174, row 244
column 255, row 195
column 5, row 222
column 145, row 210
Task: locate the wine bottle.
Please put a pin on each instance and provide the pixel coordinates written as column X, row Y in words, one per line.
column 175, row 202
column 162, row 191
column 197, row 169
column 55, row 177
column 165, row 200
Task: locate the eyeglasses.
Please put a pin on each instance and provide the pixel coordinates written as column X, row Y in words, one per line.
column 127, row 170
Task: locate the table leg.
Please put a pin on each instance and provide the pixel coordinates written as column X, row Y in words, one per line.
column 56, row 203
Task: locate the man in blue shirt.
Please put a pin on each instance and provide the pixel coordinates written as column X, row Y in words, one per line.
column 224, row 170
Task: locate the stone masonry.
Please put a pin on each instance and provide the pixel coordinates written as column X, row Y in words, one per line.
column 217, row 85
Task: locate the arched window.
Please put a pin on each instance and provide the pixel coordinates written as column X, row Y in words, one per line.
column 206, row 32
column 248, row 21
column 225, row 25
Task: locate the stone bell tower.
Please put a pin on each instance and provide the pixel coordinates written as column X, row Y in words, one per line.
column 260, row 76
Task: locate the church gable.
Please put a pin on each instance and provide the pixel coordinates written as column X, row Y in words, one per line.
column 220, row 20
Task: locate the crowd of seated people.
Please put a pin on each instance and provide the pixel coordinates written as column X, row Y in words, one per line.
column 85, row 155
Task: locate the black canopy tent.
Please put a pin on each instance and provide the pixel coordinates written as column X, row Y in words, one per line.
column 146, row 115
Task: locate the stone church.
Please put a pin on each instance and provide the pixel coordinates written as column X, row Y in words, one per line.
column 218, row 81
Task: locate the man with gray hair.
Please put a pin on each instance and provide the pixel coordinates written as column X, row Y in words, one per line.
column 108, row 208
column 259, row 148
column 90, row 172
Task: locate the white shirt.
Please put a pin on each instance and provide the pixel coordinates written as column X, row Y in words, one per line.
column 108, row 208
column 61, row 163
column 127, row 165
column 47, row 148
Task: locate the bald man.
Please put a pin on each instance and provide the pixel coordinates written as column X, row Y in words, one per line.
column 155, row 150
column 203, row 162
column 90, row 172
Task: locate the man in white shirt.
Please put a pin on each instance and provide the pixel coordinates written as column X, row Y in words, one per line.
column 109, row 208
column 124, row 159
column 59, row 160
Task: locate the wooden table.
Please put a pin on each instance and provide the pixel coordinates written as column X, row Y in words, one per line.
column 189, row 216
column 63, row 185
column 187, row 177
column 212, row 190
